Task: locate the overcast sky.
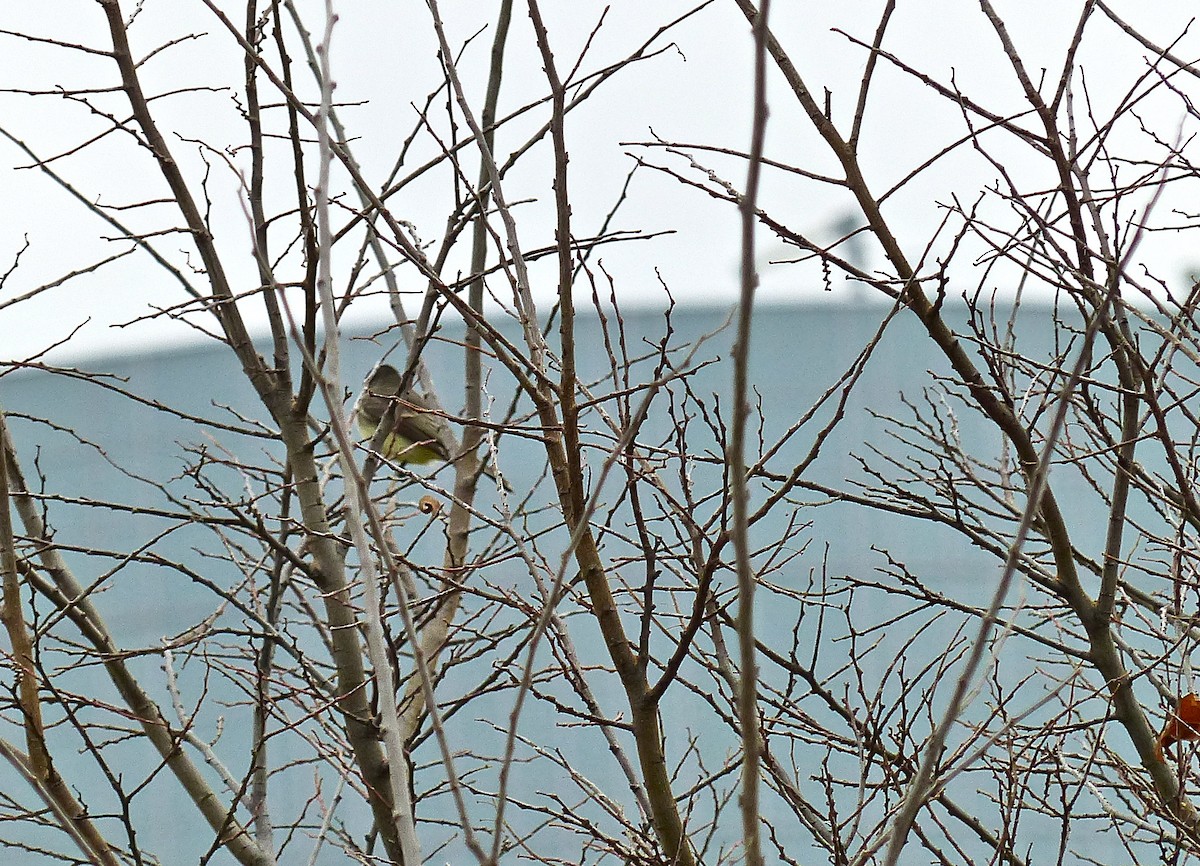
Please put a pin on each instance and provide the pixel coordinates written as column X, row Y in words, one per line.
column 384, row 61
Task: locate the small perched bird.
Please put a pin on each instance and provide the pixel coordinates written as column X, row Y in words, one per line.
column 1184, row 724
column 414, row 432
column 414, row 436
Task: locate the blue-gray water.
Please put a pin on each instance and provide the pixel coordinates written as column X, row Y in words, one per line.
column 797, row 354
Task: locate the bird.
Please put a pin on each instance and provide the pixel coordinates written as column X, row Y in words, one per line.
column 1184, row 724
column 414, row 434
column 414, row 420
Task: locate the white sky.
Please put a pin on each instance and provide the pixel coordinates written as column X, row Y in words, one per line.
column 384, row 61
